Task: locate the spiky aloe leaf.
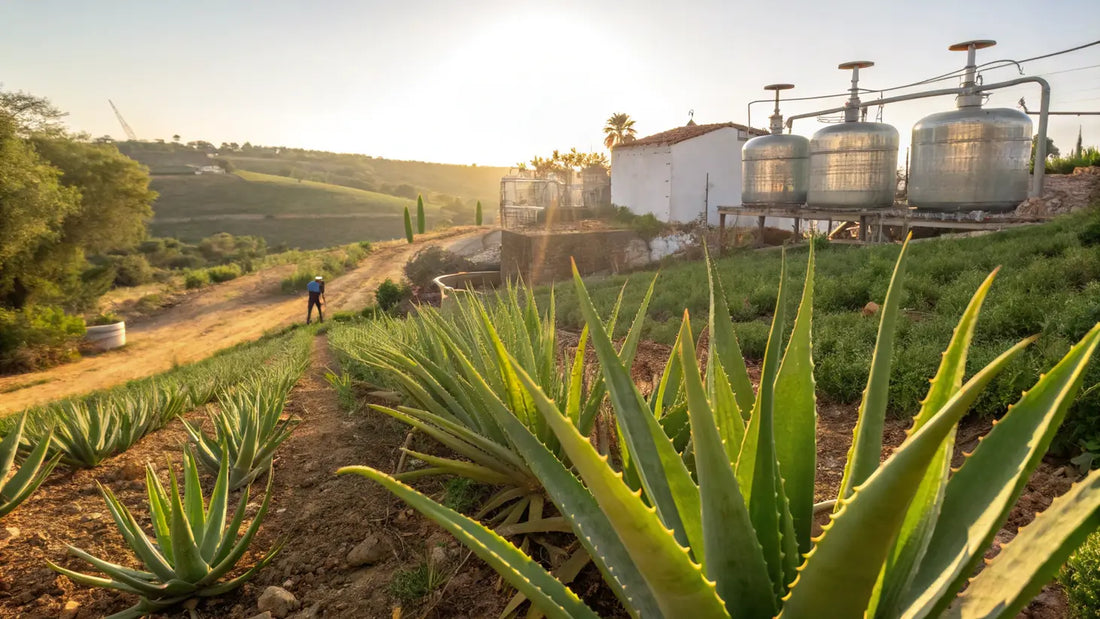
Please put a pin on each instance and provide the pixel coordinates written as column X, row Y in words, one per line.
column 675, row 581
column 796, row 417
column 544, row 591
column 591, row 525
column 920, row 521
column 735, row 559
column 723, row 342
column 841, row 571
column 866, row 449
column 1032, row 558
column 757, row 466
column 662, row 472
column 31, row 474
column 981, row 493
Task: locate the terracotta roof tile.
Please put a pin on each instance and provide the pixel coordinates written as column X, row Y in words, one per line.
column 679, row 134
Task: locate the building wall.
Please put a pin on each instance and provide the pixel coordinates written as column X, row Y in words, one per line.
column 717, row 153
column 640, row 179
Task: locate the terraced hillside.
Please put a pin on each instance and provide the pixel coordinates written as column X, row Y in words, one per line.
column 302, row 214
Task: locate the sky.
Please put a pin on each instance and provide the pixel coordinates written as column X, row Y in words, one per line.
column 496, row 83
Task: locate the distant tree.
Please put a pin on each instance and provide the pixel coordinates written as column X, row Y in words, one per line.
column 31, row 114
column 233, row 146
column 247, row 146
column 224, row 164
column 176, row 138
column 420, row 214
column 618, row 130
column 1052, row 150
column 104, row 139
column 1079, row 149
column 408, row 226
column 477, row 214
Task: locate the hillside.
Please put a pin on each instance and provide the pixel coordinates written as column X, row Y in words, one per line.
column 303, row 214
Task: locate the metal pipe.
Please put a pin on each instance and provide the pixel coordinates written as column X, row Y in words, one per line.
column 1044, row 111
column 1064, row 113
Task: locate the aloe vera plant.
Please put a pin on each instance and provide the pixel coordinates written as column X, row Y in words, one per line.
column 31, row 473
column 248, row 428
column 451, row 364
column 722, row 528
column 193, row 548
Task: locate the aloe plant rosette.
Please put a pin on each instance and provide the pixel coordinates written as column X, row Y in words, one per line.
column 192, row 548
column 16, row 488
column 722, row 528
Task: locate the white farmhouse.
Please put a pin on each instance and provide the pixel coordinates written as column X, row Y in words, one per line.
column 667, row 174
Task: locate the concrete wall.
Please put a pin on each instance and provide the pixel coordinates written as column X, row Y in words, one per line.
column 717, row 153
column 640, row 179
column 541, row 258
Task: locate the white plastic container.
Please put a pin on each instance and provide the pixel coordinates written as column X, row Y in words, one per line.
column 106, row 337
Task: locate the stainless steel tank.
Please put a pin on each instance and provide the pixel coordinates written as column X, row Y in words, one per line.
column 853, row 165
column 775, row 169
column 970, row 158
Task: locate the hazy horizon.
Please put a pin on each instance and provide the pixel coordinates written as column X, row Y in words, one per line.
column 494, row 83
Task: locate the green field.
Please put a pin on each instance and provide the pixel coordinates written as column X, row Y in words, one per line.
column 305, row 214
column 1049, row 284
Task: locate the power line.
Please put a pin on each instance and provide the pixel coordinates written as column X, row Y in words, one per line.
column 1091, row 66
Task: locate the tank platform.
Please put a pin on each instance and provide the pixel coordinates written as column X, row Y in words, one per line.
column 876, row 225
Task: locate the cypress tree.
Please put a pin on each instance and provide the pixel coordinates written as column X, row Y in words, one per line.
column 420, row 214
column 408, row 226
column 477, row 214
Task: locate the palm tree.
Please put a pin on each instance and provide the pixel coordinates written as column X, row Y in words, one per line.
column 618, row 130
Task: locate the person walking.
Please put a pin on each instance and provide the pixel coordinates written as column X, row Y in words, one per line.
column 316, row 289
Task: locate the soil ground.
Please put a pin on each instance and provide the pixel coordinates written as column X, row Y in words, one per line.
column 322, row 517
column 214, row 318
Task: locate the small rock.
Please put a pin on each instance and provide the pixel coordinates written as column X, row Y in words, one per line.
column 368, row 552
column 288, row 584
column 278, row 601
column 69, row 610
column 870, row 309
column 437, row 556
column 264, row 615
column 7, row 534
column 131, row 470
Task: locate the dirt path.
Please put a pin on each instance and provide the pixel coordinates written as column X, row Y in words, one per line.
column 321, row 517
column 212, row 319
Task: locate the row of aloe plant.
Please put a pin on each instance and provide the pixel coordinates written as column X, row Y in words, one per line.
column 195, row 546
column 721, row 525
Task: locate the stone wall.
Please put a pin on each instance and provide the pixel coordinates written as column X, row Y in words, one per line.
column 544, row 257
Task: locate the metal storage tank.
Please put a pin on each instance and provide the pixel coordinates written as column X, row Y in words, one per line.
column 853, row 165
column 970, row 158
column 775, row 169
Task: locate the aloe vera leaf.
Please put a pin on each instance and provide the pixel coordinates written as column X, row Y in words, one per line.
column 662, row 472
column 866, row 450
column 460, row 433
column 634, row 335
column 841, row 571
column 192, row 496
column 723, row 344
column 735, row 558
column 480, row 452
column 757, row 467
column 475, row 472
column 676, row 582
column 1033, row 557
column 237, row 550
column 576, row 379
column 189, row 565
column 981, row 493
column 920, row 520
column 796, row 417
column 518, row 569
column 215, row 516
column 591, row 525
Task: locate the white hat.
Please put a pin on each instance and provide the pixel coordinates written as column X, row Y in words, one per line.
column 318, row 277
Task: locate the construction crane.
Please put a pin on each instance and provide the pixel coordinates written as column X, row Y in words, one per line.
column 122, row 121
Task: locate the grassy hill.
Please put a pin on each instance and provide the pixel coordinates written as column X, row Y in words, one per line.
column 304, row 214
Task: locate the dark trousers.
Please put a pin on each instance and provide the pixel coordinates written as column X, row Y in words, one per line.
column 314, row 300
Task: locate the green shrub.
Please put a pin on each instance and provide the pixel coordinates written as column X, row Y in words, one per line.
column 420, row 223
column 35, row 338
column 106, row 318
column 149, row 303
column 223, row 273
column 390, row 294
column 132, row 270
column 196, row 279
column 1081, row 579
column 408, row 226
column 431, row 262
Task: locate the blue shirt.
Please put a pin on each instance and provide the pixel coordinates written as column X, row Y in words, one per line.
column 315, row 286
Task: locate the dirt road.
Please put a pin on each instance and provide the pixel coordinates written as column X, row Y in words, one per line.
column 216, row 318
